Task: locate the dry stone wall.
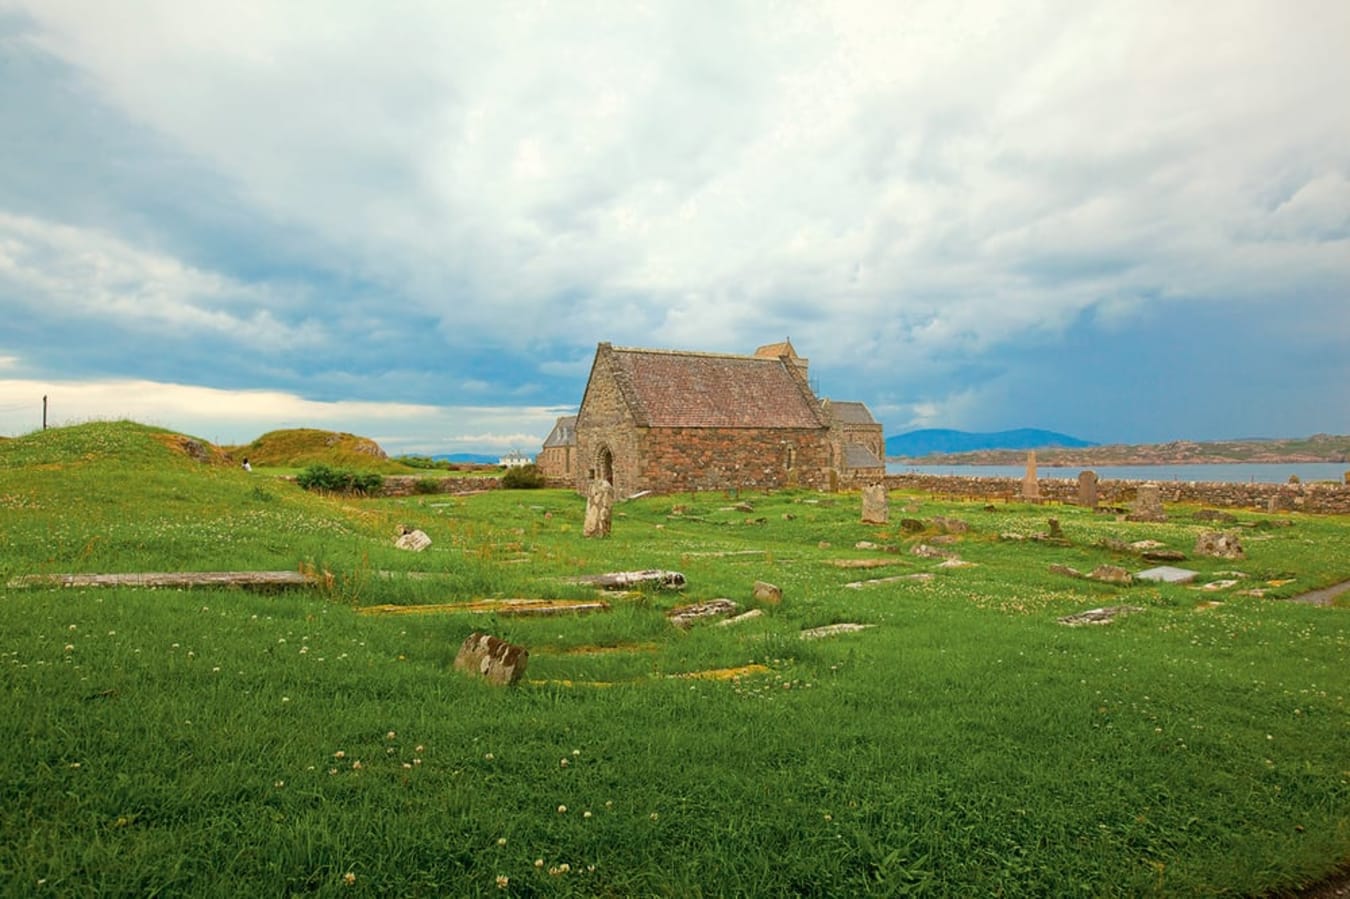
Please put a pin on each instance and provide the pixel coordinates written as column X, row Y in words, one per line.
column 1319, row 497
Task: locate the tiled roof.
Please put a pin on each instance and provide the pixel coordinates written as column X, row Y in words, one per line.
column 850, row 413
column 668, row 389
column 858, row 456
column 564, row 432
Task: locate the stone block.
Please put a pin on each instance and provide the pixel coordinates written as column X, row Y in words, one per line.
column 769, row 594
column 495, row 660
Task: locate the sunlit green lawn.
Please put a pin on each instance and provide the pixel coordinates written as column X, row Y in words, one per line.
column 227, row 742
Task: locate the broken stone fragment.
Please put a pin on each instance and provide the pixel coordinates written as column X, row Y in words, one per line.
column 1219, row 544
column 742, row 618
column 495, row 660
column 1065, row 570
column 684, row 616
column 764, row 592
column 951, row 525
column 924, row 551
column 1111, row 574
column 414, row 541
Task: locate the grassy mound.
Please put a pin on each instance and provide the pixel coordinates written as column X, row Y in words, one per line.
column 300, row 447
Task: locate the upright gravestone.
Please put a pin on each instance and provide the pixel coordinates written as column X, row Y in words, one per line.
column 599, row 509
column 1031, row 486
column 1147, row 504
column 875, row 504
column 1087, row 489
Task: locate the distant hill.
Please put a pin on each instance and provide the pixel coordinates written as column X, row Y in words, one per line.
column 299, row 447
column 472, row 458
column 1317, row 448
column 929, row 441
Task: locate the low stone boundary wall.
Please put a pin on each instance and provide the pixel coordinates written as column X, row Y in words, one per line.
column 1319, row 497
column 406, row 485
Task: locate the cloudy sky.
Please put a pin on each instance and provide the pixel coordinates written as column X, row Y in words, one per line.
column 1128, row 221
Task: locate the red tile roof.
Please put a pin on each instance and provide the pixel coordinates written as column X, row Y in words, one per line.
column 670, row 389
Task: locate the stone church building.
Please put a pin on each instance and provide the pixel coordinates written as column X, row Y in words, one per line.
column 673, row 421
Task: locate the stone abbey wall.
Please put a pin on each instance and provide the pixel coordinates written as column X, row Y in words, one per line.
column 1317, row 497
column 689, row 459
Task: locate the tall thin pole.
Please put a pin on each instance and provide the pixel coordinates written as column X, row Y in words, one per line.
column 44, row 412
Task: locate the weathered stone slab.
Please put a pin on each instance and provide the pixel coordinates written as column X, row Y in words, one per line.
column 1031, row 485
column 1087, row 489
column 1098, row 616
column 922, row 577
column 951, row 525
column 1111, row 574
column 862, row 563
column 911, row 525
column 925, row 551
column 1065, row 570
column 684, row 616
column 1219, row 545
column 495, row 660
column 764, row 592
column 876, row 507
column 153, row 579
column 413, row 541
column 1168, row 575
column 599, row 509
column 1163, row 555
column 1147, row 504
column 831, row 630
column 742, row 618
column 625, row 580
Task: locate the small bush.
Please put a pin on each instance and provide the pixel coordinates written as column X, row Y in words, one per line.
column 338, row 480
column 526, row 477
column 427, row 485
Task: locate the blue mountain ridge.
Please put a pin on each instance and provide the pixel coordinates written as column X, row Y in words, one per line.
column 476, row 458
column 927, row 441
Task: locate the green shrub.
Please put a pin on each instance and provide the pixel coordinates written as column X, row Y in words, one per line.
column 338, row 480
column 427, row 485
column 526, row 477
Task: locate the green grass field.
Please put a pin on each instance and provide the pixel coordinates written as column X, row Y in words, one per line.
column 232, row 742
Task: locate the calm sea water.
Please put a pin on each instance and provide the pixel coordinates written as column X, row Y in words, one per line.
column 1234, row 473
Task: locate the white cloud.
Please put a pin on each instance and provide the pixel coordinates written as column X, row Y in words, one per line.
column 238, row 416
column 67, row 272
column 898, row 186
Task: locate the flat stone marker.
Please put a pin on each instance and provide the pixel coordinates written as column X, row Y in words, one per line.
column 599, row 509
column 1103, row 615
column 831, row 630
column 1168, row 575
column 1111, row 574
column 922, row 577
column 623, row 580
column 496, row 661
column 742, row 618
column 875, row 504
column 1087, row 489
column 684, row 616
